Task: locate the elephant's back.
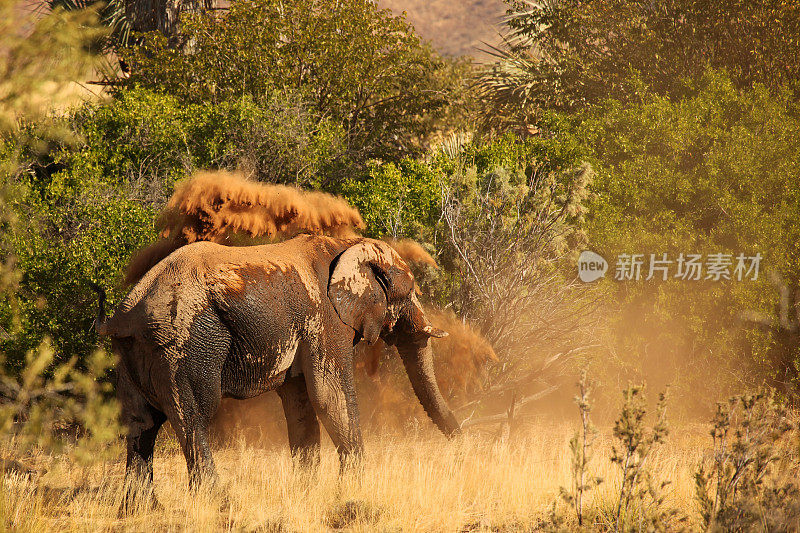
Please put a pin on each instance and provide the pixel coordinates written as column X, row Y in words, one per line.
column 166, row 293
column 180, row 284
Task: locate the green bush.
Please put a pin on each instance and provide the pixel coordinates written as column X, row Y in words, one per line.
column 144, row 141
column 360, row 66
column 57, row 252
column 713, row 173
column 573, row 53
column 397, row 200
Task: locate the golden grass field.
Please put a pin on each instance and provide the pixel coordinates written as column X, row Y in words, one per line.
column 414, row 483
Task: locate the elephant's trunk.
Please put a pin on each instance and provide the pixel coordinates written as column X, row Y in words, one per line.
column 417, row 357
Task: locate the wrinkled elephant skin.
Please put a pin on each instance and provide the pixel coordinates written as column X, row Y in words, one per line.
column 211, row 321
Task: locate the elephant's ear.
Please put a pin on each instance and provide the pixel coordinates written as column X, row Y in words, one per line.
column 358, row 296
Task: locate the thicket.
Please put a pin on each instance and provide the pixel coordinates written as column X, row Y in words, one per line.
column 687, row 111
column 710, row 173
column 570, row 54
column 353, row 63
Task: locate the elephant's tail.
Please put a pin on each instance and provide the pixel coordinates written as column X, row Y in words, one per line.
column 100, row 321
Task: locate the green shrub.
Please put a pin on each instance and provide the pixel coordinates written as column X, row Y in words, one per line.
column 144, row 141
column 713, row 173
column 351, row 62
column 397, row 200
column 58, row 250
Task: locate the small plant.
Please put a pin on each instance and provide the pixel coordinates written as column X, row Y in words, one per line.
column 581, row 447
column 749, row 482
column 69, row 412
column 640, row 496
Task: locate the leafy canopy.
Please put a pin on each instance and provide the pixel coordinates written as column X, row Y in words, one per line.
column 352, row 62
column 567, row 54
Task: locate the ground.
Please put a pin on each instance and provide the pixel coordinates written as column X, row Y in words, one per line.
column 455, row 27
column 416, row 482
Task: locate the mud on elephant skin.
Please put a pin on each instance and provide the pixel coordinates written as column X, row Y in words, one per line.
column 211, row 321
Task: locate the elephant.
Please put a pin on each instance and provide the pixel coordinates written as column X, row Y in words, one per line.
column 212, row 321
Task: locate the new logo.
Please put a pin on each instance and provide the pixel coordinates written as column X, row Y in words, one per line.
column 591, row 266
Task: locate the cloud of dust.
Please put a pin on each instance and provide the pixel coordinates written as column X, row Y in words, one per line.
column 213, row 206
column 655, row 341
column 411, row 252
column 460, row 362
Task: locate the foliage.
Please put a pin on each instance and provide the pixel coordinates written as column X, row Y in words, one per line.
column 39, row 59
column 88, row 237
column 68, row 413
column 39, row 63
column 396, row 200
column 750, row 480
column 581, row 446
column 44, row 406
column 351, row 62
column 146, row 140
column 712, row 173
column 567, row 54
column 112, row 15
column 640, row 498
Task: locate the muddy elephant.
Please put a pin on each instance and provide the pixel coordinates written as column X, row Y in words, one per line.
column 213, row 321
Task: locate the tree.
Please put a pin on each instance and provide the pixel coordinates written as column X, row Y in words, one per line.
column 504, row 219
column 351, row 62
column 712, row 173
column 566, row 54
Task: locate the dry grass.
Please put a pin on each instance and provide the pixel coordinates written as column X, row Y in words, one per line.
column 415, row 483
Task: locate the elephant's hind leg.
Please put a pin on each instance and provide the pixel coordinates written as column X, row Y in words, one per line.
column 142, row 421
column 195, row 392
column 301, row 421
column 191, row 427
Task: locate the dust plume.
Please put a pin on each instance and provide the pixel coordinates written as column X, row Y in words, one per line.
column 462, row 356
column 213, row 206
column 411, row 252
column 460, row 363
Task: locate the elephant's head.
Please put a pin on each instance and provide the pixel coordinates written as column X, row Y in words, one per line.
column 372, row 290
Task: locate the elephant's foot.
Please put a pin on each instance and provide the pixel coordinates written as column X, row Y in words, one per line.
column 138, row 500
column 351, row 462
column 211, row 487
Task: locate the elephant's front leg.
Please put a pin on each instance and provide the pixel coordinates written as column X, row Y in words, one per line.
column 301, row 421
column 329, row 379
